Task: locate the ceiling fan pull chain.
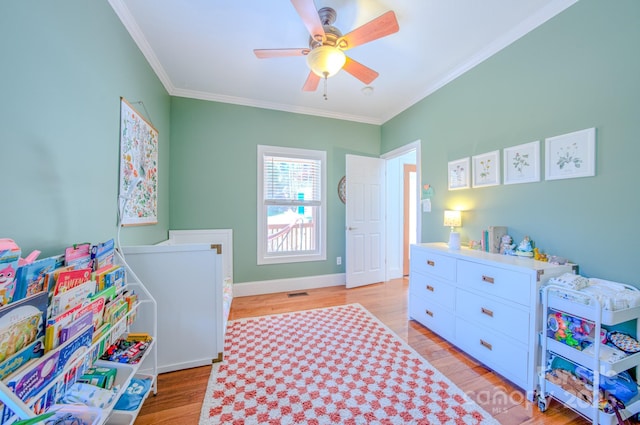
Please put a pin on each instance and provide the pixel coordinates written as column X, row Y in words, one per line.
column 326, row 74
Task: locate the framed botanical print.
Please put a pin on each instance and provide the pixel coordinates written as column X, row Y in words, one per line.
column 522, row 163
column 571, row 155
column 486, row 169
column 458, row 174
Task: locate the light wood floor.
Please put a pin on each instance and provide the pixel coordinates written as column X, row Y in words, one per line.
column 180, row 394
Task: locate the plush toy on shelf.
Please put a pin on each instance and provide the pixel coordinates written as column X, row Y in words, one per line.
column 507, row 245
column 525, row 248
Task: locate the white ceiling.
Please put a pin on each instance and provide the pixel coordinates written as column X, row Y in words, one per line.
column 203, row 49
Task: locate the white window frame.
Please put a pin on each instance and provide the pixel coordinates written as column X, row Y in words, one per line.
column 321, row 252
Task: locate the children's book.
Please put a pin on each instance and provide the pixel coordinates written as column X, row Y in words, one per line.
column 30, row 277
column 103, row 254
column 70, row 279
column 9, row 257
column 68, row 299
column 54, row 325
column 96, row 308
column 21, row 332
column 28, row 381
column 495, row 238
column 74, row 328
column 78, row 256
column 115, row 277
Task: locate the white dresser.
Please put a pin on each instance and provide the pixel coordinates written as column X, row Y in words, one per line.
column 486, row 304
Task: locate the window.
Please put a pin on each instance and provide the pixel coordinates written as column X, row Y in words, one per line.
column 291, row 205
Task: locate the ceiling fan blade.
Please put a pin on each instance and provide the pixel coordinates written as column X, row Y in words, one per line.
column 312, row 82
column 361, row 72
column 381, row 26
column 279, row 53
column 309, row 14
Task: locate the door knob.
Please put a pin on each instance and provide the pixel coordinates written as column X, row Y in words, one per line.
column 352, row 228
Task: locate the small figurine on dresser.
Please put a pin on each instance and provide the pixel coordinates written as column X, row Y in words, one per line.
column 525, row 248
column 507, row 246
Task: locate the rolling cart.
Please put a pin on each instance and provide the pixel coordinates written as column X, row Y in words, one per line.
column 572, row 337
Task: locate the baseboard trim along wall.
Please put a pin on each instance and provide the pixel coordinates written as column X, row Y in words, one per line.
column 286, row 285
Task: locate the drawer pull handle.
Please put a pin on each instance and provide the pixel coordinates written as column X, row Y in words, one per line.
column 431, row 263
column 485, row 344
column 487, row 279
column 429, row 313
column 486, row 311
column 430, row 288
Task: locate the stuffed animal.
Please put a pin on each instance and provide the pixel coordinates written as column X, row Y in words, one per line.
column 507, row 245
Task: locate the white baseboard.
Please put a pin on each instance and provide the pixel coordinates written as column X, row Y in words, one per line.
column 287, row 285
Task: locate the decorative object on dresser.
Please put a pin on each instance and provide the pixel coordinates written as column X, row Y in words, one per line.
column 453, row 219
column 329, row 365
column 486, row 304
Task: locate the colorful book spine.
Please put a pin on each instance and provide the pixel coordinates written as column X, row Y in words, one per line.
column 74, row 328
column 115, row 277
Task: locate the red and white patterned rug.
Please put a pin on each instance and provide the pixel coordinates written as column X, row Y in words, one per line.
column 337, row 365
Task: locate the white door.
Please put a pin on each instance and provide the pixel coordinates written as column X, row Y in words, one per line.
column 365, row 245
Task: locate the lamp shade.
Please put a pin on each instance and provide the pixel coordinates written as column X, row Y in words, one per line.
column 452, row 218
column 326, row 61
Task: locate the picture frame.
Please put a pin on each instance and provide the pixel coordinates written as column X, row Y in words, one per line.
column 521, row 163
column 571, row 155
column 458, row 172
column 138, row 186
column 486, row 169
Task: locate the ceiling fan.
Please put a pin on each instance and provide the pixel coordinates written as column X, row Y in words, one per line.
column 325, row 54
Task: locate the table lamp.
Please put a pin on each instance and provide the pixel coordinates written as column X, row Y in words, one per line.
column 453, row 219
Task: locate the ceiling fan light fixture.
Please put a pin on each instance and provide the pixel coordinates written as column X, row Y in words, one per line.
column 326, row 61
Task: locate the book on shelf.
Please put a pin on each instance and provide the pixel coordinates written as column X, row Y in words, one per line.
column 110, row 276
column 96, row 307
column 70, row 279
column 77, row 325
column 30, row 277
column 78, row 256
column 55, row 324
column 103, row 254
column 22, row 332
column 9, row 259
column 494, row 240
column 29, row 381
column 69, row 299
column 115, row 277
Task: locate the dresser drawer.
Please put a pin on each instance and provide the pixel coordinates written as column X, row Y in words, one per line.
column 506, row 319
column 508, row 284
column 432, row 315
column 431, row 263
column 432, row 289
column 498, row 353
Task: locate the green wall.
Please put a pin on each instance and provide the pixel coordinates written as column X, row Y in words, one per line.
column 65, row 65
column 579, row 70
column 213, row 174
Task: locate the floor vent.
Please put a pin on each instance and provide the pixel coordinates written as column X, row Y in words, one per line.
column 298, row 294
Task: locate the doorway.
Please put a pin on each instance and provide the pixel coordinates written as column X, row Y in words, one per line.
column 402, row 211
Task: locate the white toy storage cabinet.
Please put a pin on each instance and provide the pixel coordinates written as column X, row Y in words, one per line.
column 484, row 303
column 145, row 368
column 558, row 300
